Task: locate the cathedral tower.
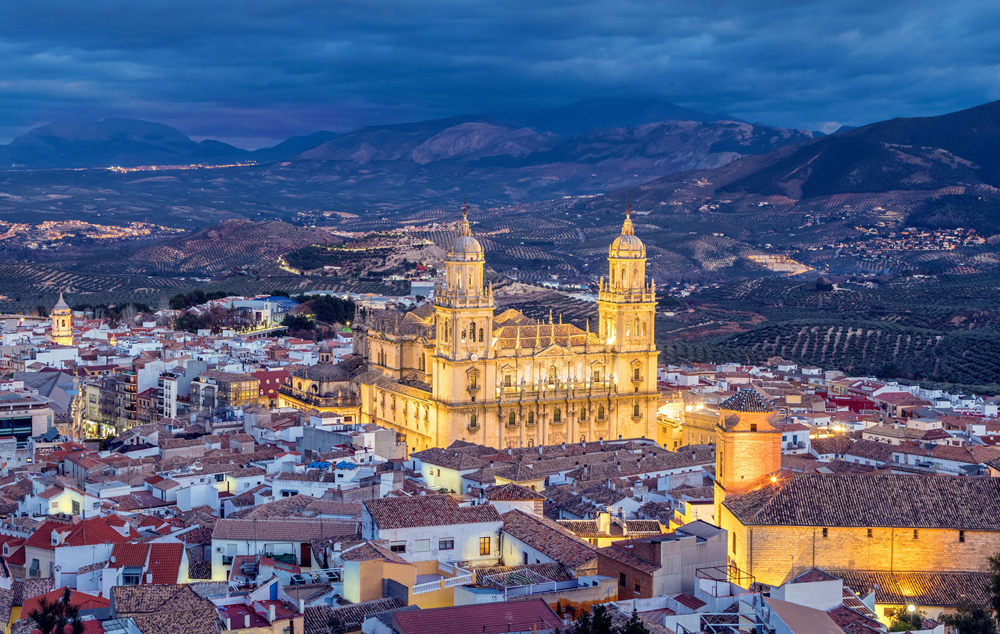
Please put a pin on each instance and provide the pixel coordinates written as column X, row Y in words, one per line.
column 62, row 323
column 626, row 302
column 748, row 445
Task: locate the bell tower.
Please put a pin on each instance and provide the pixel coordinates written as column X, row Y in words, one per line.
column 463, row 302
column 748, row 445
column 62, row 323
column 626, row 302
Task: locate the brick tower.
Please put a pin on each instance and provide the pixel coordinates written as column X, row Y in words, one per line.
column 748, row 445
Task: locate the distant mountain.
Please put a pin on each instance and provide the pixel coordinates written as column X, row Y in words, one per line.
column 673, row 145
column 130, row 142
column 921, row 153
column 109, row 142
column 593, row 114
column 462, row 137
column 292, row 146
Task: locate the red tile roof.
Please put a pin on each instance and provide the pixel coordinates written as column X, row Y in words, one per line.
column 427, row 510
column 81, row 599
column 488, row 618
column 129, row 555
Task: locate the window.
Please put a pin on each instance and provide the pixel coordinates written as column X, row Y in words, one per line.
column 132, row 576
column 961, row 537
column 219, row 477
column 480, row 335
column 638, row 588
column 635, row 411
column 635, row 374
column 600, row 413
column 446, row 544
column 597, row 376
column 508, row 381
column 76, row 507
column 511, row 420
column 472, row 421
column 552, row 375
column 753, row 426
column 916, row 534
column 397, row 547
column 472, row 381
column 557, row 416
column 826, row 532
column 870, row 535
column 583, row 413
column 621, row 579
column 463, row 335
column 421, row 545
column 734, row 544
column 484, row 546
column 531, row 418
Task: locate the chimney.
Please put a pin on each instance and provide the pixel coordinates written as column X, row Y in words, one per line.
column 246, row 621
column 491, row 464
column 302, row 606
column 539, row 450
column 270, row 614
column 564, row 446
column 694, row 455
column 602, row 442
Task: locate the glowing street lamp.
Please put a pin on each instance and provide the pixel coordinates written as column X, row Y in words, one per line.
column 911, row 609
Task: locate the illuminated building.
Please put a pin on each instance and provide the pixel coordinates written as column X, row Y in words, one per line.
column 62, row 323
column 457, row 371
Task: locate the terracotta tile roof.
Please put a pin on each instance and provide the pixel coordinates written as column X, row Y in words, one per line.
column 81, row 599
column 689, row 601
column 583, row 528
column 486, row 618
column 853, row 622
column 548, row 538
column 287, row 529
column 549, row 570
column 316, row 619
column 748, row 400
column 129, row 555
column 813, row 575
column 931, row 589
column 623, row 555
column 370, row 551
column 166, row 609
column 427, row 510
column 873, row 501
column 512, row 492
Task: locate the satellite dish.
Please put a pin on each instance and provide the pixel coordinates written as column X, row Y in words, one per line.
column 112, row 559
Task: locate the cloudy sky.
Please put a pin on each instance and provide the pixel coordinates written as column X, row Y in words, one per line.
column 252, row 72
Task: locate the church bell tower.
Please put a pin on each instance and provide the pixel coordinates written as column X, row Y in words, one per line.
column 62, row 323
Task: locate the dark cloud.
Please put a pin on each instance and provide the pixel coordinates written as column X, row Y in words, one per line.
column 255, row 71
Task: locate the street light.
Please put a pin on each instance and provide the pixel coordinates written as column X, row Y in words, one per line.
column 911, row 609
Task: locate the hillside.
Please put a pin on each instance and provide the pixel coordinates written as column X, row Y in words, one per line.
column 596, row 114
column 230, row 247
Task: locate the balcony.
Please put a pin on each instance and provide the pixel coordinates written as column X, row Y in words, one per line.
column 445, row 576
column 555, row 391
column 348, row 400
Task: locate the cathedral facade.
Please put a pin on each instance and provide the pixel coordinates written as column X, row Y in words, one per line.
column 458, row 371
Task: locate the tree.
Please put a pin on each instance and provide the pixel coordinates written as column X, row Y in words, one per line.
column 995, row 586
column 971, row 619
column 635, row 625
column 597, row 621
column 903, row 621
column 42, row 311
column 56, row 616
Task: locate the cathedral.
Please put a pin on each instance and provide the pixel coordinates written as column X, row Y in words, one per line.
column 457, row 370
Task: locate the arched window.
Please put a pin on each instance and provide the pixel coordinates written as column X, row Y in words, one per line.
column 552, row 375
column 472, row 420
column 643, row 329
column 624, row 282
column 600, row 413
column 511, row 419
column 583, row 439
column 583, row 413
column 531, row 418
column 472, row 332
column 481, row 335
column 531, row 442
column 635, row 328
column 612, row 276
column 635, row 275
column 470, row 281
column 463, row 335
column 557, row 416
column 635, row 410
column 635, row 374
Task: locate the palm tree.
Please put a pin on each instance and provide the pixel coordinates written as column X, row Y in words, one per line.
column 53, row 617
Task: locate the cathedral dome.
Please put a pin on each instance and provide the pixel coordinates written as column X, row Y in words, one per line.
column 627, row 245
column 465, row 245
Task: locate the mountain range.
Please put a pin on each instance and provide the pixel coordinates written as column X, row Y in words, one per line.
column 589, row 128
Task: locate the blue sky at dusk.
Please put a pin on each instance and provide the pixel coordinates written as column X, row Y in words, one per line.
column 253, row 72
